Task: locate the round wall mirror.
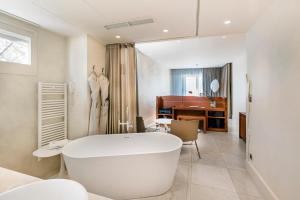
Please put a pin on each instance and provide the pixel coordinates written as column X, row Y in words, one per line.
column 214, row 85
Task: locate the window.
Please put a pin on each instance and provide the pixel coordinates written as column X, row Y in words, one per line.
column 15, row 48
column 18, row 47
column 187, row 82
column 193, row 85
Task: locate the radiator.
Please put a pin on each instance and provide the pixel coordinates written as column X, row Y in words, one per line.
column 52, row 112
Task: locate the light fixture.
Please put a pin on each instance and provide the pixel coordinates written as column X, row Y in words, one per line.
column 165, row 30
column 118, row 37
column 227, row 22
column 224, row 37
column 128, row 24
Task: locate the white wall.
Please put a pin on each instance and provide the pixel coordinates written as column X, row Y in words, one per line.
column 18, row 105
column 153, row 80
column 239, row 86
column 84, row 52
column 273, row 66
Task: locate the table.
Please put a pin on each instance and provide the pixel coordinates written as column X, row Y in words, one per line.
column 216, row 117
column 46, row 152
column 165, row 122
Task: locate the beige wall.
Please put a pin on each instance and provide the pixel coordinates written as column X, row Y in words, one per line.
column 83, row 53
column 58, row 60
column 78, row 107
column 273, row 66
column 18, row 106
column 96, row 55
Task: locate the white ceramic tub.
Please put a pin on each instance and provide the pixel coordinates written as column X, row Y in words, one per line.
column 124, row 166
column 54, row 189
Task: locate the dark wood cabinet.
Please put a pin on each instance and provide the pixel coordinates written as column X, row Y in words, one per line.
column 242, row 126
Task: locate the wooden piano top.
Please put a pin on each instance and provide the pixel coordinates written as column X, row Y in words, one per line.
column 198, row 108
column 191, row 103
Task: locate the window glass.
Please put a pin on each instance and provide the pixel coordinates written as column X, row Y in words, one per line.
column 187, row 82
column 191, row 86
column 15, row 48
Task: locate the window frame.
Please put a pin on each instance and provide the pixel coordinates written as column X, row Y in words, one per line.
column 20, row 37
column 23, row 29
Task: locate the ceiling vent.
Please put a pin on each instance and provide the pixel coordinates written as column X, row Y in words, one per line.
column 128, row 24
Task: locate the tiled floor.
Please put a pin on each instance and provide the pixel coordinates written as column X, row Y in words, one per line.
column 219, row 175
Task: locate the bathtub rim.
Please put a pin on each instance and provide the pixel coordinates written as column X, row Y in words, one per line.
column 180, row 142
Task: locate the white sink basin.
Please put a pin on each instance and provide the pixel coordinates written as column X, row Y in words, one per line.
column 54, row 189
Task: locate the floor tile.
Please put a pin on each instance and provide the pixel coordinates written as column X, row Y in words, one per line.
column 234, row 161
column 212, row 158
column 207, row 144
column 212, row 176
column 179, row 193
column 243, row 183
column 234, row 148
column 166, row 196
column 209, row 193
column 247, row 197
column 185, row 154
column 96, row 197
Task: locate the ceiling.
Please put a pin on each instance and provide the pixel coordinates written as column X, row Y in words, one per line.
column 74, row 17
column 195, row 52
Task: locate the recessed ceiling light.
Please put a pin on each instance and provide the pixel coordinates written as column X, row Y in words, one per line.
column 227, row 22
column 118, row 37
column 165, row 30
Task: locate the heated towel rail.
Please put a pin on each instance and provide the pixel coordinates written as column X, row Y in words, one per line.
column 52, row 112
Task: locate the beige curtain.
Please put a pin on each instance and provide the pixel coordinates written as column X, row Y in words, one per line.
column 121, row 72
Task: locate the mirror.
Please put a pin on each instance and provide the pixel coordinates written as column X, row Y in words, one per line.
column 214, row 86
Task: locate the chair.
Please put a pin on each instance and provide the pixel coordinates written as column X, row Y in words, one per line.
column 140, row 125
column 194, row 117
column 186, row 130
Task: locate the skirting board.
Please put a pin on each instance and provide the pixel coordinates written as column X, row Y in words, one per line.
column 260, row 183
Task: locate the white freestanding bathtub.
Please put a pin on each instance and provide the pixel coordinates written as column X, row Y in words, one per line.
column 124, row 166
column 54, row 189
